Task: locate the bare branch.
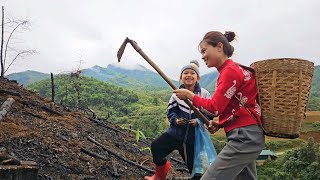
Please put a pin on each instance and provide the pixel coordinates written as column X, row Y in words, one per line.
column 2, row 39
column 5, row 23
column 5, row 51
column 12, row 26
column 21, row 54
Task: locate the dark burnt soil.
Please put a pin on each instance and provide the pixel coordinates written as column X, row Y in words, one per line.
column 57, row 138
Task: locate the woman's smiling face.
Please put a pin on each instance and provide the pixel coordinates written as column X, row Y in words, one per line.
column 211, row 55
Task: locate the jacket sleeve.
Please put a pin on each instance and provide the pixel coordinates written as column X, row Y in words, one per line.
column 172, row 111
column 206, row 113
column 228, row 85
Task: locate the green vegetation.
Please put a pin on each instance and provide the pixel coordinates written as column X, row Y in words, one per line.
column 283, row 145
column 102, row 96
column 146, row 149
column 314, row 101
column 218, row 144
column 144, row 110
column 301, row 163
column 139, row 134
column 28, row 77
column 314, row 126
column 208, row 81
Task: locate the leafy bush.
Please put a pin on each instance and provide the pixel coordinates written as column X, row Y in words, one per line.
column 316, row 125
column 218, row 144
column 300, row 163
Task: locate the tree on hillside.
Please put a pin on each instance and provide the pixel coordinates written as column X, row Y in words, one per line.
column 8, row 53
column 314, row 99
column 302, row 163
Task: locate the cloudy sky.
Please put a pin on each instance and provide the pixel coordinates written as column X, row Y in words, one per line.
column 168, row 31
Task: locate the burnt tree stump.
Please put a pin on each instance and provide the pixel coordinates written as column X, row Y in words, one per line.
column 5, row 107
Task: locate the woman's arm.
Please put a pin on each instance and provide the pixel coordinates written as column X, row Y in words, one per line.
column 228, row 85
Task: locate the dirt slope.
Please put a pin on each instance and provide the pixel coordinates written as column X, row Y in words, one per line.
column 57, row 139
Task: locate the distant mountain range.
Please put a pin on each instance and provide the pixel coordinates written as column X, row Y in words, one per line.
column 208, row 81
column 28, row 77
column 133, row 77
column 138, row 77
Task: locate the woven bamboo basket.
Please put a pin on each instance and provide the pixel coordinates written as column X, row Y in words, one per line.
column 284, row 88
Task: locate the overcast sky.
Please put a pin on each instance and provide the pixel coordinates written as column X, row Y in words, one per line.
column 168, row 31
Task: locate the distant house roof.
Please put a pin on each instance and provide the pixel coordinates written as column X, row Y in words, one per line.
column 267, row 153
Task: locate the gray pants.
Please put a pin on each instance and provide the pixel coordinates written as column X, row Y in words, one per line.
column 237, row 159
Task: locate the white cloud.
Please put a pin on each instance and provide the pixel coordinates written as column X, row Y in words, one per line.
column 129, row 66
column 167, row 31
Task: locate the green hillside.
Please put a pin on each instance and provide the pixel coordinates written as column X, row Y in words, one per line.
column 28, row 77
column 139, row 108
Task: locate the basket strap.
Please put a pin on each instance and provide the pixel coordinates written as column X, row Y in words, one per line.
column 254, row 73
column 258, row 97
column 254, row 117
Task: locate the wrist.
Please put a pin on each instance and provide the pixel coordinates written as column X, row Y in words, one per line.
column 191, row 96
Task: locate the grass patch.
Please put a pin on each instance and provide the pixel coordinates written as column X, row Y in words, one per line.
column 314, row 126
column 283, row 145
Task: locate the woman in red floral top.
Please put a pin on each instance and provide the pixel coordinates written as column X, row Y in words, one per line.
column 234, row 101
